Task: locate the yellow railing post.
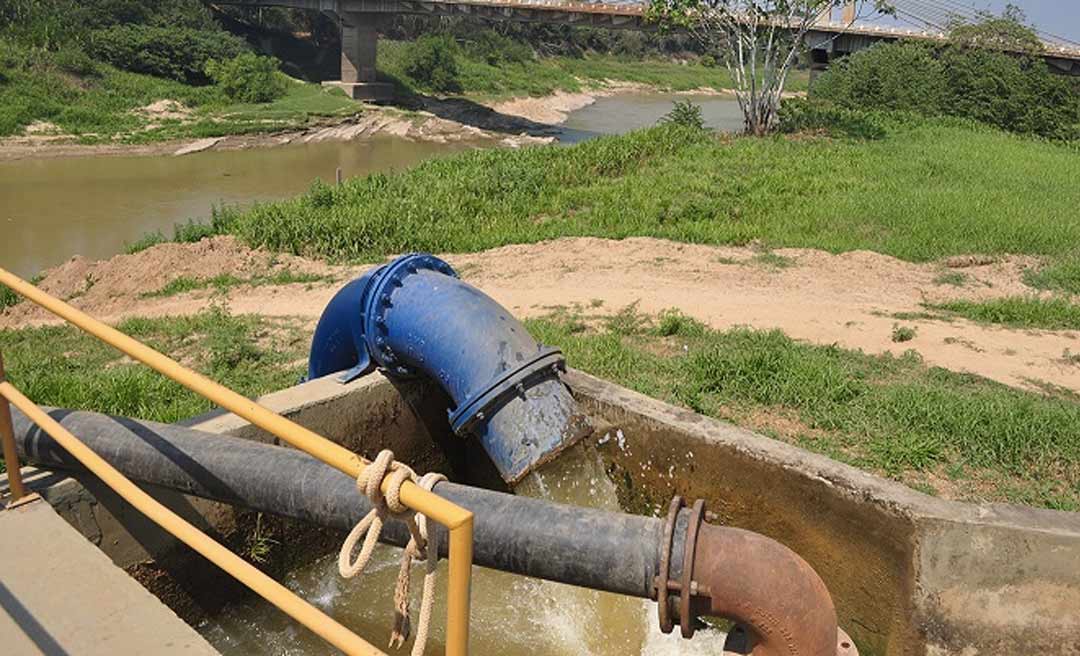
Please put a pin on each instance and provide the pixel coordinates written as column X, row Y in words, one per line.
column 245, row 572
column 7, row 436
column 456, row 519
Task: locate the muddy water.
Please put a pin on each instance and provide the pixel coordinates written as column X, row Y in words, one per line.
column 51, row 209
column 511, row 615
column 624, row 112
column 54, row 208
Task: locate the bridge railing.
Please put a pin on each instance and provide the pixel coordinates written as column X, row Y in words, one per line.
column 456, row 519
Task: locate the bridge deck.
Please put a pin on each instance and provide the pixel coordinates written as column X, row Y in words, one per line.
column 61, row 596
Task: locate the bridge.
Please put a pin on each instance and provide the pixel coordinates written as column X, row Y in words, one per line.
column 361, row 20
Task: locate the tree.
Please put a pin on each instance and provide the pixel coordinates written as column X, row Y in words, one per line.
column 1009, row 31
column 758, row 40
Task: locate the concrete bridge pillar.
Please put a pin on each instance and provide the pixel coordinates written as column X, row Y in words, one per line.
column 359, row 37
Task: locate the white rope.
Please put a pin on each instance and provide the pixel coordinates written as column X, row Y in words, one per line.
column 420, row 546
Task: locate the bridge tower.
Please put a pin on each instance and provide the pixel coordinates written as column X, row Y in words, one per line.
column 359, row 37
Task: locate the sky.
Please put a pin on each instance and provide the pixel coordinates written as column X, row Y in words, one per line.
column 1060, row 17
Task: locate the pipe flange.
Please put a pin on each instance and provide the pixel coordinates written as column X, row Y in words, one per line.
column 378, row 298
column 660, row 584
column 474, row 408
column 688, row 585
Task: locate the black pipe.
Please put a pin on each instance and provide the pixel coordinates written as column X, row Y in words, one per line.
column 580, row 546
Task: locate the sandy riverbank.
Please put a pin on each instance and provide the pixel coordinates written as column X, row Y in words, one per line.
column 850, row 299
column 514, row 122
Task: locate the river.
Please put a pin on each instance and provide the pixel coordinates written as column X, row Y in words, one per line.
column 54, row 208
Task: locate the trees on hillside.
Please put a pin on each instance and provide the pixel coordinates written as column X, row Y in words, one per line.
column 758, row 40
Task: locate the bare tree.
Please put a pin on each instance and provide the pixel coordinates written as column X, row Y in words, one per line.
column 758, row 40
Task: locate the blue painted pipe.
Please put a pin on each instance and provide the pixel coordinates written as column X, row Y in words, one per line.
column 415, row 317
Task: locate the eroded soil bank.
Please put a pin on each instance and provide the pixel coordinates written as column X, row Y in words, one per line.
column 855, row 300
column 515, row 122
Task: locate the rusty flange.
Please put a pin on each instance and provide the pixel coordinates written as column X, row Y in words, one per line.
column 686, row 587
column 660, row 586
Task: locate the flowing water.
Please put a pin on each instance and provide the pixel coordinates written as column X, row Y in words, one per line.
column 511, row 615
column 54, row 208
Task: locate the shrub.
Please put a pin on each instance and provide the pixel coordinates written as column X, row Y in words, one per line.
column 1013, row 92
column 75, row 61
column 685, row 114
column 8, row 297
column 496, row 49
column 248, row 78
column 801, row 115
column 176, row 53
column 431, row 63
column 900, row 76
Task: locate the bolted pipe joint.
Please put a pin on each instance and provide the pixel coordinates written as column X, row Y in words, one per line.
column 415, row 317
column 779, row 603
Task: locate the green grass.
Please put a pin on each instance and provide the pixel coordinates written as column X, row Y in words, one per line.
column 184, row 284
column 771, row 260
column 903, row 333
column 63, row 367
column 890, row 415
column 926, row 192
column 100, row 105
column 8, row 297
column 1018, row 312
column 951, row 278
column 1062, row 275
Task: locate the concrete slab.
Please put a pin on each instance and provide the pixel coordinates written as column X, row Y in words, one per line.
column 60, row 595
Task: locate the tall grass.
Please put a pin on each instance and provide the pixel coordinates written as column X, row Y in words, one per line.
column 1019, row 312
column 928, row 190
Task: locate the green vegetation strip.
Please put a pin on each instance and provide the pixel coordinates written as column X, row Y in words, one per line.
column 1018, row 312
column 936, row 430
column 184, row 284
column 941, row 432
column 927, row 191
column 63, row 367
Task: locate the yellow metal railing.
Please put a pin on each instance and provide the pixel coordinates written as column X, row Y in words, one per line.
column 457, row 520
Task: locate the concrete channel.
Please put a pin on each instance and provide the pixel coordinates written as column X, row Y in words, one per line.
column 910, row 574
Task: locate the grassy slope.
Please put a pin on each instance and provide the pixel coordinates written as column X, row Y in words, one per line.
column 1018, row 312
column 928, row 427
column 99, row 107
column 925, row 192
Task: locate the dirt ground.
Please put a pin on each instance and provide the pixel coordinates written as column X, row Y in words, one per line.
column 848, row 299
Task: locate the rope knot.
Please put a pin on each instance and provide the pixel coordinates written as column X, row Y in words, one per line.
column 421, row 546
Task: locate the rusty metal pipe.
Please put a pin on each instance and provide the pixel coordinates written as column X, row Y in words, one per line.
column 768, row 588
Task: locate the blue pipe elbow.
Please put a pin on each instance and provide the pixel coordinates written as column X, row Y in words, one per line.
column 415, row 317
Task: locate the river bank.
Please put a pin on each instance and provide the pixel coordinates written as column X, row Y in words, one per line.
column 514, row 122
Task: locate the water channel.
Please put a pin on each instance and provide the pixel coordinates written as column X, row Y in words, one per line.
column 54, row 208
column 511, row 615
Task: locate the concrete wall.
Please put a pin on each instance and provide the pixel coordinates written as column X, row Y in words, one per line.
column 910, row 574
